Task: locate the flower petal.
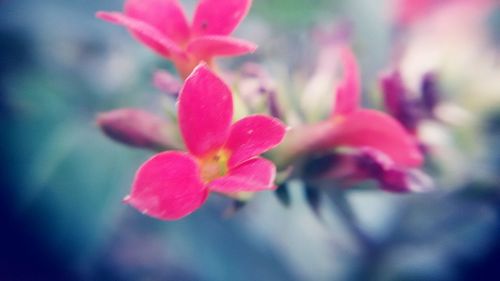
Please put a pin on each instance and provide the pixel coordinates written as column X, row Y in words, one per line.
column 376, row 165
column 370, row 128
column 347, row 93
column 252, row 136
column 408, row 12
column 166, row 16
column 431, row 91
column 146, row 33
column 205, row 111
column 168, row 186
column 394, row 90
column 399, row 180
column 206, row 47
column 216, row 17
column 397, row 103
column 253, row 175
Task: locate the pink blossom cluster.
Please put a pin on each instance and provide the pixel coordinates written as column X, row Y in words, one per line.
column 216, row 154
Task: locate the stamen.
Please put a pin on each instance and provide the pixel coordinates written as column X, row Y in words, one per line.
column 214, row 165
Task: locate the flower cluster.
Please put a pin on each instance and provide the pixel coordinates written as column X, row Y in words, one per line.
column 162, row 26
column 349, row 144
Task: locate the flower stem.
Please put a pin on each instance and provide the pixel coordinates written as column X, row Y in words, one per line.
column 350, row 221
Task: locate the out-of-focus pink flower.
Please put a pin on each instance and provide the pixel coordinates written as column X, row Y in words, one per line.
column 352, row 126
column 162, row 26
column 409, row 12
column 221, row 157
column 356, row 128
column 136, row 128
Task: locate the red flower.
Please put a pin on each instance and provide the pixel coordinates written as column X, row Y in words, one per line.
column 221, row 156
column 162, row 26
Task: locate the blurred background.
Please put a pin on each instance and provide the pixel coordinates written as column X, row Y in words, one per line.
column 62, row 180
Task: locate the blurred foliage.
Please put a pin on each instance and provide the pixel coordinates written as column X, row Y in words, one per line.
column 294, row 13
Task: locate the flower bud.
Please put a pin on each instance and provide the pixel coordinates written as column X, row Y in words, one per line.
column 166, row 83
column 257, row 90
column 136, row 128
column 430, row 92
column 397, row 101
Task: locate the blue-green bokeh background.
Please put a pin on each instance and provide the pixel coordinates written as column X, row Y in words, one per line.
column 62, row 181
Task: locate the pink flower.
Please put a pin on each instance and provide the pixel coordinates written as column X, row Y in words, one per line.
column 355, row 127
column 336, row 148
column 359, row 127
column 162, row 26
column 409, row 12
column 221, row 157
column 385, row 150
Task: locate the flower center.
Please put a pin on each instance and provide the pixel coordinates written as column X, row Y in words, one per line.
column 214, row 165
column 338, row 118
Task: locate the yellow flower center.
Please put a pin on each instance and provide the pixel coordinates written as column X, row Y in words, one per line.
column 214, row 165
column 337, row 119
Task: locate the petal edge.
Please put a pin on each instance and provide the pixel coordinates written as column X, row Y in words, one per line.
column 205, row 111
column 215, row 17
column 167, row 16
column 256, row 174
column 206, row 47
column 347, row 93
column 375, row 129
column 168, row 186
column 145, row 33
column 253, row 135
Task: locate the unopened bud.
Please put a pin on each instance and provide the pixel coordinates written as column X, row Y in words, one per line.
column 394, row 92
column 256, row 89
column 397, row 101
column 167, row 83
column 136, row 128
column 430, row 92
